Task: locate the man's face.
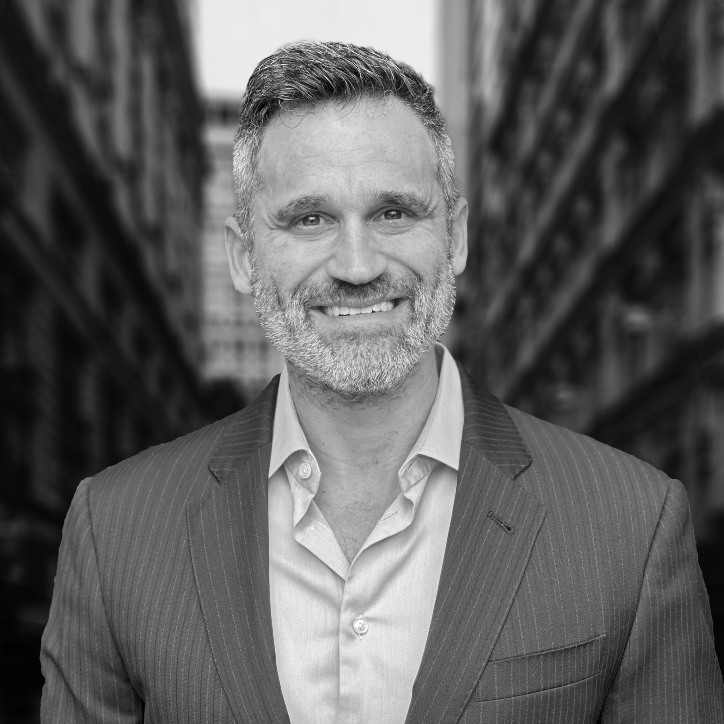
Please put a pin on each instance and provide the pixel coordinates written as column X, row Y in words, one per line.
column 353, row 267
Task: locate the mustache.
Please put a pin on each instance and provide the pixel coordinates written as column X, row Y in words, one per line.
column 340, row 293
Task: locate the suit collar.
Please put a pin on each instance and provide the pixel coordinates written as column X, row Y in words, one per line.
column 488, row 427
column 229, row 542
column 248, row 431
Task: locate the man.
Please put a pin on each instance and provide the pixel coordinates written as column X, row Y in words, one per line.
column 375, row 539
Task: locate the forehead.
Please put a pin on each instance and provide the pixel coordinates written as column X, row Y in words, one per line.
column 347, row 145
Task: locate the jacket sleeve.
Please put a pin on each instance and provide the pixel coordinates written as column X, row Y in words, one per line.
column 669, row 671
column 85, row 678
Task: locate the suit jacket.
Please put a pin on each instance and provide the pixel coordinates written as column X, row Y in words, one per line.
column 570, row 589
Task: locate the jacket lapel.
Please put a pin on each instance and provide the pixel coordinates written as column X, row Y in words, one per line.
column 229, row 540
column 492, row 532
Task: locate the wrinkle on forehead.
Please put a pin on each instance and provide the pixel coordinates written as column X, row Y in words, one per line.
column 371, row 146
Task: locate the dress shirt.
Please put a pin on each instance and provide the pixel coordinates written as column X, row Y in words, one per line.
column 349, row 637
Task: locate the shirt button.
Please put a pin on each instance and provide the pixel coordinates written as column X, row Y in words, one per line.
column 360, row 626
column 305, row 470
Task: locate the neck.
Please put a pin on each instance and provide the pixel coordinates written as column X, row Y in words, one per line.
column 365, row 442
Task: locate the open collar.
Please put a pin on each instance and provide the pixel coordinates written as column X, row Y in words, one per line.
column 487, row 426
column 439, row 439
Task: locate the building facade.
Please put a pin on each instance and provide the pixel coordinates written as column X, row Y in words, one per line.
column 452, row 94
column 100, row 215
column 235, row 348
column 597, row 237
column 453, row 99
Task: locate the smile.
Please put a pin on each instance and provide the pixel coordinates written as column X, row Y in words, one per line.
column 386, row 306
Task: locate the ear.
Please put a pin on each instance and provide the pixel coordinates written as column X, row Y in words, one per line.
column 459, row 233
column 238, row 256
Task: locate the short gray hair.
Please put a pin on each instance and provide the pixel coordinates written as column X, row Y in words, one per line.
column 311, row 73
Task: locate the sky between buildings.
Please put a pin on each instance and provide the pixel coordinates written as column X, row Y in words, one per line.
column 232, row 36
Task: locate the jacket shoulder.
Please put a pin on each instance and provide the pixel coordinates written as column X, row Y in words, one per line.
column 563, row 454
column 174, row 469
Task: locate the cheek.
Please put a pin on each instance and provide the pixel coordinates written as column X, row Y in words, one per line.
column 283, row 271
column 424, row 256
column 290, row 264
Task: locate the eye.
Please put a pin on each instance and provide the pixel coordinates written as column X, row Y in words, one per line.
column 311, row 220
column 393, row 215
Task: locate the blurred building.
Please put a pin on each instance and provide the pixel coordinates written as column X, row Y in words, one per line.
column 100, row 215
column 453, row 98
column 452, row 94
column 235, row 348
column 597, row 190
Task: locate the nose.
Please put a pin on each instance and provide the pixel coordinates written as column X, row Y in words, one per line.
column 356, row 258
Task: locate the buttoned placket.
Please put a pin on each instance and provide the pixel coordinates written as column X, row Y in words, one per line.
column 311, row 530
column 381, row 614
column 357, row 623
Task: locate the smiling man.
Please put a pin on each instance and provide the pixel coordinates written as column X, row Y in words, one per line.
column 375, row 539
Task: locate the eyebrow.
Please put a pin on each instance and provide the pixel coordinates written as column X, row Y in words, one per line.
column 409, row 200
column 299, row 205
column 406, row 199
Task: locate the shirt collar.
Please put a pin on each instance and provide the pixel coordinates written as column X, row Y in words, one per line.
column 439, row 440
column 288, row 436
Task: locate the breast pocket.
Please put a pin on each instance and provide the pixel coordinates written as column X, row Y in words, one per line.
column 540, row 671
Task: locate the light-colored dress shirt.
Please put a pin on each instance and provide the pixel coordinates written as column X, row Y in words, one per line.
column 349, row 637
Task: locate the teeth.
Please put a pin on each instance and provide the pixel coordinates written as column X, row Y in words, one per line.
column 350, row 311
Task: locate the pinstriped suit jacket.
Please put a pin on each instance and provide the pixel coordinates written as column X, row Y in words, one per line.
column 570, row 589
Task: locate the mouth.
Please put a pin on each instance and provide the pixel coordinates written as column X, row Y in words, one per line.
column 348, row 311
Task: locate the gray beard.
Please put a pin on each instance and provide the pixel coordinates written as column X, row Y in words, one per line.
column 355, row 365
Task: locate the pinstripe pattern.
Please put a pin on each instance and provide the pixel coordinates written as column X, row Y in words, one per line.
column 592, row 609
column 481, row 572
column 138, row 596
column 611, row 621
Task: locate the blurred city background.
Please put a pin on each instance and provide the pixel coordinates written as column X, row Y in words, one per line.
column 590, row 145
